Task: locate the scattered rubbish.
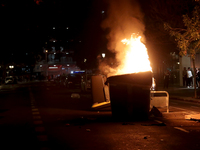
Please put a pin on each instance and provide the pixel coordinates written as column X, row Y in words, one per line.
column 155, row 112
column 197, row 120
column 88, row 130
column 75, row 95
column 193, row 117
column 124, row 123
column 154, row 124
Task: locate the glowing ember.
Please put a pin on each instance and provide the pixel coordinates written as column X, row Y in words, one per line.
column 135, row 59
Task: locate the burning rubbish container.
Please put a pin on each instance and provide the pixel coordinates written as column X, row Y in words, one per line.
column 130, row 95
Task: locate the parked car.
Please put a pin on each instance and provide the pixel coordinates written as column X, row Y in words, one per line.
column 73, row 81
column 60, row 80
column 10, row 80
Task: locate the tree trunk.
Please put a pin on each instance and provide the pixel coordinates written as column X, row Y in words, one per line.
column 194, row 75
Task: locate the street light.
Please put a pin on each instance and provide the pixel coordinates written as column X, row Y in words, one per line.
column 103, row 55
column 11, row 67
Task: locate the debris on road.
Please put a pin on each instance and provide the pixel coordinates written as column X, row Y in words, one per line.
column 75, row 95
column 154, row 124
column 194, row 117
column 155, row 112
column 88, row 130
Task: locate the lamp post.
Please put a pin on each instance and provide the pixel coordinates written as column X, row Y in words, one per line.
column 46, row 66
column 46, row 51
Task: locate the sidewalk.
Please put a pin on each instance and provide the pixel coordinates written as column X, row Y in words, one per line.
column 181, row 93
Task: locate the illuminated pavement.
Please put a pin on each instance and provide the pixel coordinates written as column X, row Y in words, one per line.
column 44, row 116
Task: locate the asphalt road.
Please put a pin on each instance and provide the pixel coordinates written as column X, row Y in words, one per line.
column 43, row 116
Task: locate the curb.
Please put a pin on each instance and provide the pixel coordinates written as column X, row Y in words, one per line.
column 185, row 99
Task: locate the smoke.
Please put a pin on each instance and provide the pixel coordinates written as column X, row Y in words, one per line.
column 124, row 18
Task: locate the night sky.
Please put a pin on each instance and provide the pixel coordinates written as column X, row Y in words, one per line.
column 26, row 25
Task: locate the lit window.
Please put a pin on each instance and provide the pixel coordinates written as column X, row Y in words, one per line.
column 54, row 53
column 54, row 41
column 54, row 27
column 40, row 65
column 67, row 64
column 102, row 11
column 67, row 28
column 67, row 53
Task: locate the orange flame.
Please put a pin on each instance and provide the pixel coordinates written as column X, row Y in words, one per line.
column 136, row 58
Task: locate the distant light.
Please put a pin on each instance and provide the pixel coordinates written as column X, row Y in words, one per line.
column 67, row 28
column 178, row 63
column 81, row 71
column 46, row 51
column 11, row 67
column 54, row 41
column 54, row 27
column 103, row 55
column 54, row 53
column 67, row 64
column 85, row 60
column 26, row 53
column 0, row 66
column 67, row 53
column 102, row 11
column 53, row 67
column 45, row 42
column 40, row 65
column 72, row 72
column 63, row 68
column 80, row 41
column 67, row 41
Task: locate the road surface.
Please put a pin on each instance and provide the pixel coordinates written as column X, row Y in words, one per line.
column 42, row 115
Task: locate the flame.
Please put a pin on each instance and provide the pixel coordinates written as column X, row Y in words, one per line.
column 136, row 58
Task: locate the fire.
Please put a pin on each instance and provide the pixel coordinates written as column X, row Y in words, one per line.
column 136, row 58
